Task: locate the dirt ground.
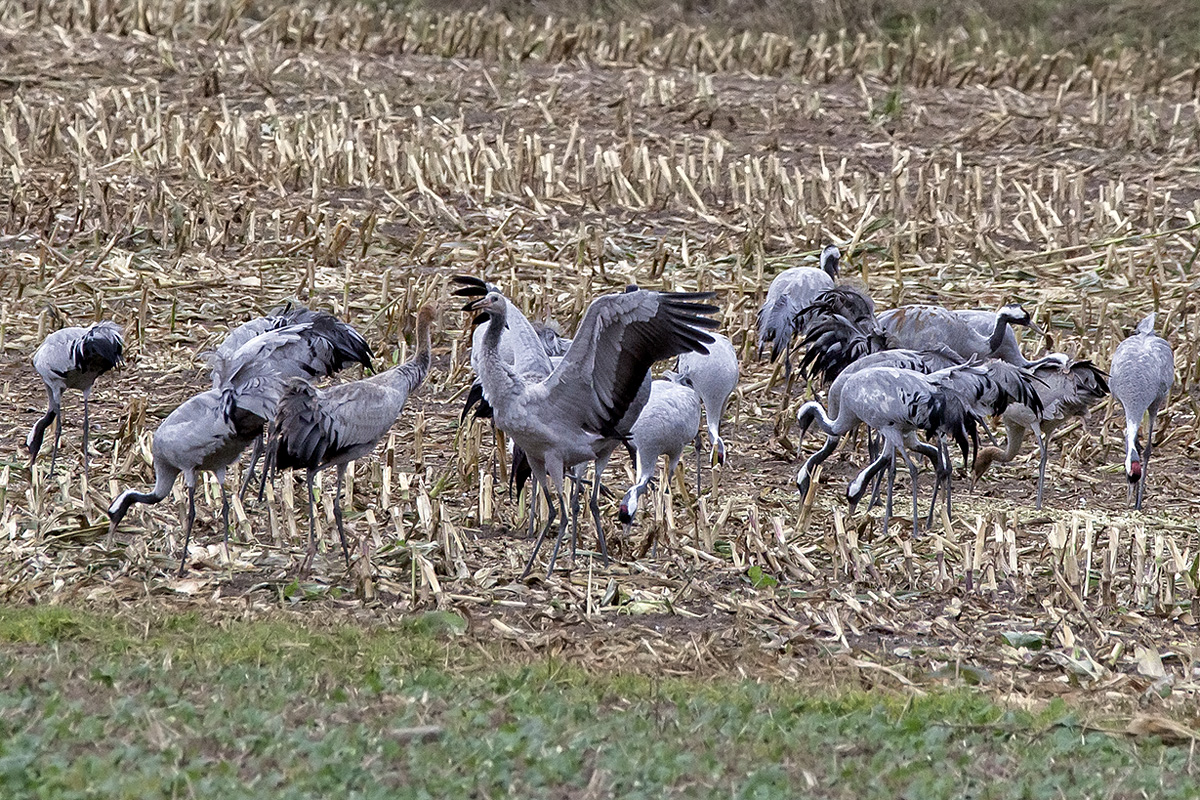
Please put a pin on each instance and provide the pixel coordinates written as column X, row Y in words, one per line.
column 182, row 184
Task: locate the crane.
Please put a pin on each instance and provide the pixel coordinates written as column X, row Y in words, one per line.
column 327, row 346
column 714, row 376
column 72, row 358
column 571, row 416
column 208, row 431
column 1067, row 388
column 841, row 327
column 897, row 403
column 1141, row 377
column 789, row 293
column 318, row 428
column 670, row 419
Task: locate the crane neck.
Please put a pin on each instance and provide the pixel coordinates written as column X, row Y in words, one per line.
column 997, row 337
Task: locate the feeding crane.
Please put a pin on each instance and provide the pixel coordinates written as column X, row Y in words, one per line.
column 208, row 431
column 897, row 403
column 1067, row 388
column 318, row 428
column 1141, row 377
column 72, row 358
column 669, row 421
column 571, row 416
column 714, row 376
column 327, row 345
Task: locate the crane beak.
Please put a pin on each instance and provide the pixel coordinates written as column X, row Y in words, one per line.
column 477, row 305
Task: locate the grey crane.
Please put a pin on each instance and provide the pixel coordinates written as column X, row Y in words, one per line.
column 789, row 293
column 571, row 416
column 1067, row 388
column 519, row 345
column 208, row 432
column 897, row 403
column 327, row 345
column 670, row 419
column 1141, row 377
column 318, row 428
column 714, row 376
column 923, row 326
column 986, row 389
column 72, row 358
column 841, row 328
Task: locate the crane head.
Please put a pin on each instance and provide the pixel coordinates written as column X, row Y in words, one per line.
column 1133, row 466
column 492, row 302
column 1015, row 314
column 718, row 452
column 831, row 258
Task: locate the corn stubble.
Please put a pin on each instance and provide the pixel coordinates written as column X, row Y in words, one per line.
column 187, row 166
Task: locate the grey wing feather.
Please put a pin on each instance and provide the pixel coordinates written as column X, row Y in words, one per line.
column 619, row 338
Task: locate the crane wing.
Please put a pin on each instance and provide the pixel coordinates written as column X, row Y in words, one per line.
column 620, row 337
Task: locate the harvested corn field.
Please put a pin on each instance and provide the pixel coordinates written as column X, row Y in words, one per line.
column 181, row 167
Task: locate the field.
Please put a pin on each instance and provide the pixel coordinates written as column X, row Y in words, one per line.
column 183, row 166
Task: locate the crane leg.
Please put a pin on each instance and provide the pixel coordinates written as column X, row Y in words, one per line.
column 57, row 436
column 562, row 532
column 550, row 514
column 594, row 505
column 225, row 517
column 255, row 455
column 312, row 524
column 337, row 513
column 887, row 508
column 187, row 526
column 86, row 427
column 935, row 456
column 912, row 474
column 1044, row 448
column 1141, row 487
column 699, row 477
column 576, row 501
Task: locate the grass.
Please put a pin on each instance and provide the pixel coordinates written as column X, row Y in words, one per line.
column 177, row 705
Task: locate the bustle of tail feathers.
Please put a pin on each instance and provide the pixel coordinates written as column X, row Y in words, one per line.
column 296, row 437
column 101, row 348
column 948, row 414
column 834, row 343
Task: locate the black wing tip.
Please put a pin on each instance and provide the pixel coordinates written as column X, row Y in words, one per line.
column 469, row 286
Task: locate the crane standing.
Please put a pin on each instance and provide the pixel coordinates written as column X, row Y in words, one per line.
column 317, row 428
column 1067, row 389
column 572, row 415
column 789, row 293
column 1141, row 377
column 72, row 358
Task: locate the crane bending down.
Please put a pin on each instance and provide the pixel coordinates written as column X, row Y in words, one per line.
column 210, row 430
column 790, row 292
column 669, row 421
column 1067, row 389
column 1141, row 377
column 327, row 345
column 318, row 428
column 572, row 415
column 714, row 376
column 897, row 403
column 72, row 358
